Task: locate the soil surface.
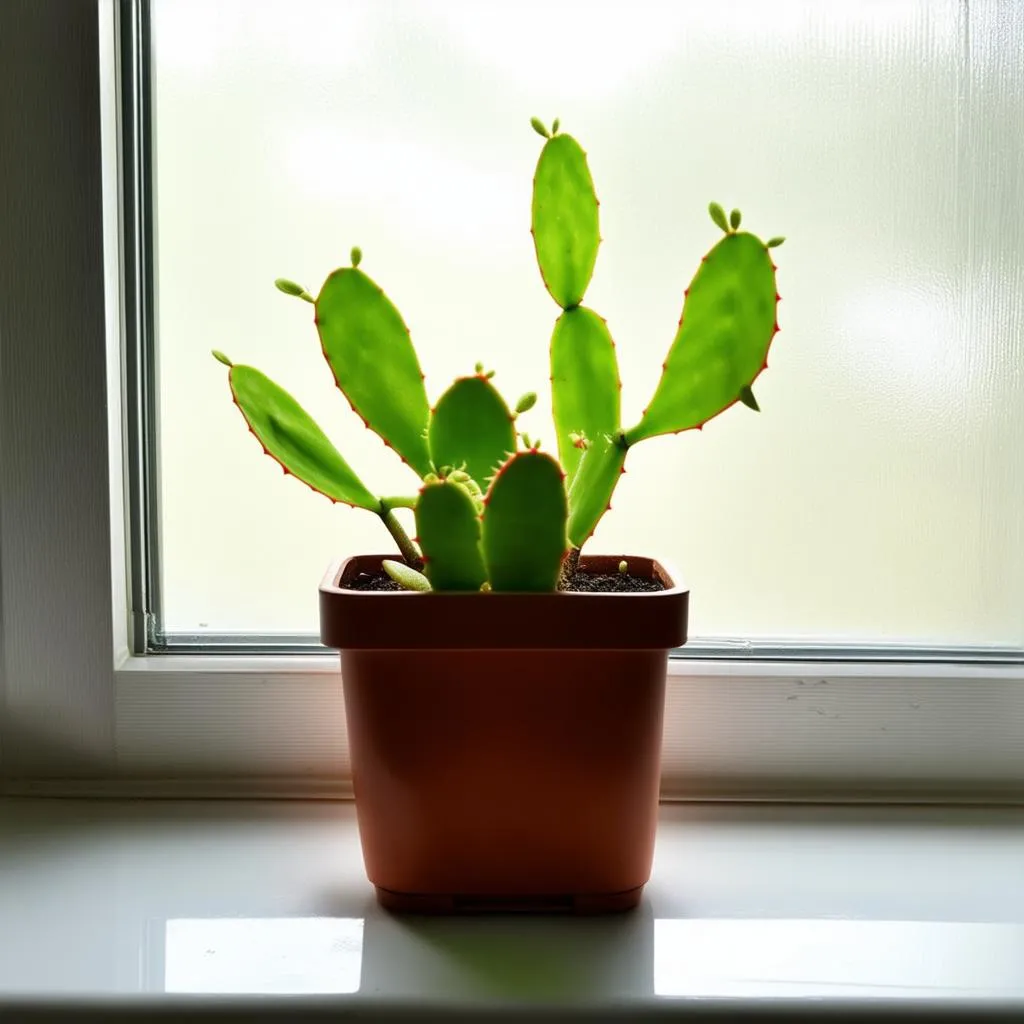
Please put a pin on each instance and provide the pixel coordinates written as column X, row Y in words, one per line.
column 373, row 581
column 613, row 583
column 581, row 582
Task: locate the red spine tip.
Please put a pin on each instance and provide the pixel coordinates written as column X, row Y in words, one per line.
column 778, row 297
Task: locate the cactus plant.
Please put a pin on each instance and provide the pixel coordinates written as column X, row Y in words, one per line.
column 493, row 512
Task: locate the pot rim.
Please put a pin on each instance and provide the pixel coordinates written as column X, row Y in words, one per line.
column 356, row 619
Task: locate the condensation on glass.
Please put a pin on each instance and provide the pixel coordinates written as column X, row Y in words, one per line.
column 876, row 498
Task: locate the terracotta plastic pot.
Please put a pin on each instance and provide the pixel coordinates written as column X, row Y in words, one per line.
column 505, row 747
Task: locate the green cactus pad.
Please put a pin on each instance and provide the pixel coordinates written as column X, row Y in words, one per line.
column 727, row 326
column 585, row 386
column 472, row 426
column 524, row 524
column 591, row 492
column 565, row 220
column 408, row 578
column 448, row 529
column 291, row 437
column 371, row 355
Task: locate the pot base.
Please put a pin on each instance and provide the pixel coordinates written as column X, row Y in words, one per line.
column 432, row 903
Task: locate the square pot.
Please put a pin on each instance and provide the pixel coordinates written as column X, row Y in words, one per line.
column 505, row 747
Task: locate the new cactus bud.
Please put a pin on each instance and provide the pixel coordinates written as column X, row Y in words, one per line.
column 773, row 243
column 356, row 256
column 734, row 219
column 282, row 284
column 538, row 127
column 624, row 567
column 220, row 357
column 718, row 216
column 526, row 403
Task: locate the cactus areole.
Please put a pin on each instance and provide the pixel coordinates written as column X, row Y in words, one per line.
column 504, row 713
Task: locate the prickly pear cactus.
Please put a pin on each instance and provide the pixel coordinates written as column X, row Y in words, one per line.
column 472, row 428
column 726, row 327
column 292, row 439
column 585, row 382
column 524, row 532
column 536, row 509
column 720, row 347
column 368, row 348
column 565, row 222
column 448, row 527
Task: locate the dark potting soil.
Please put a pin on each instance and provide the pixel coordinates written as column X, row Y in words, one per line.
column 612, row 583
column 581, row 582
column 373, row 581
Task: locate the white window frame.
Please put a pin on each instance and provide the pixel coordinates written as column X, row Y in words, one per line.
column 80, row 715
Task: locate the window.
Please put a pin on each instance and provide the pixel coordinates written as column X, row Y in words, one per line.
column 874, row 501
column 861, row 537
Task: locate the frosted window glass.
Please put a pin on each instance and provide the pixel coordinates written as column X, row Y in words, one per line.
column 878, row 495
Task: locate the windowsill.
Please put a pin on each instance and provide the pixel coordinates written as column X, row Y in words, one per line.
column 108, row 904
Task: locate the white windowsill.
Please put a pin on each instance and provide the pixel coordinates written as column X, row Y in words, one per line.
column 106, row 904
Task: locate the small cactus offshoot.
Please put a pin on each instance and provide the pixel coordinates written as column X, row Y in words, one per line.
column 493, row 512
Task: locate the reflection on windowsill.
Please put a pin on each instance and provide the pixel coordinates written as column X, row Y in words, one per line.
column 569, row 960
column 837, row 959
column 262, row 956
